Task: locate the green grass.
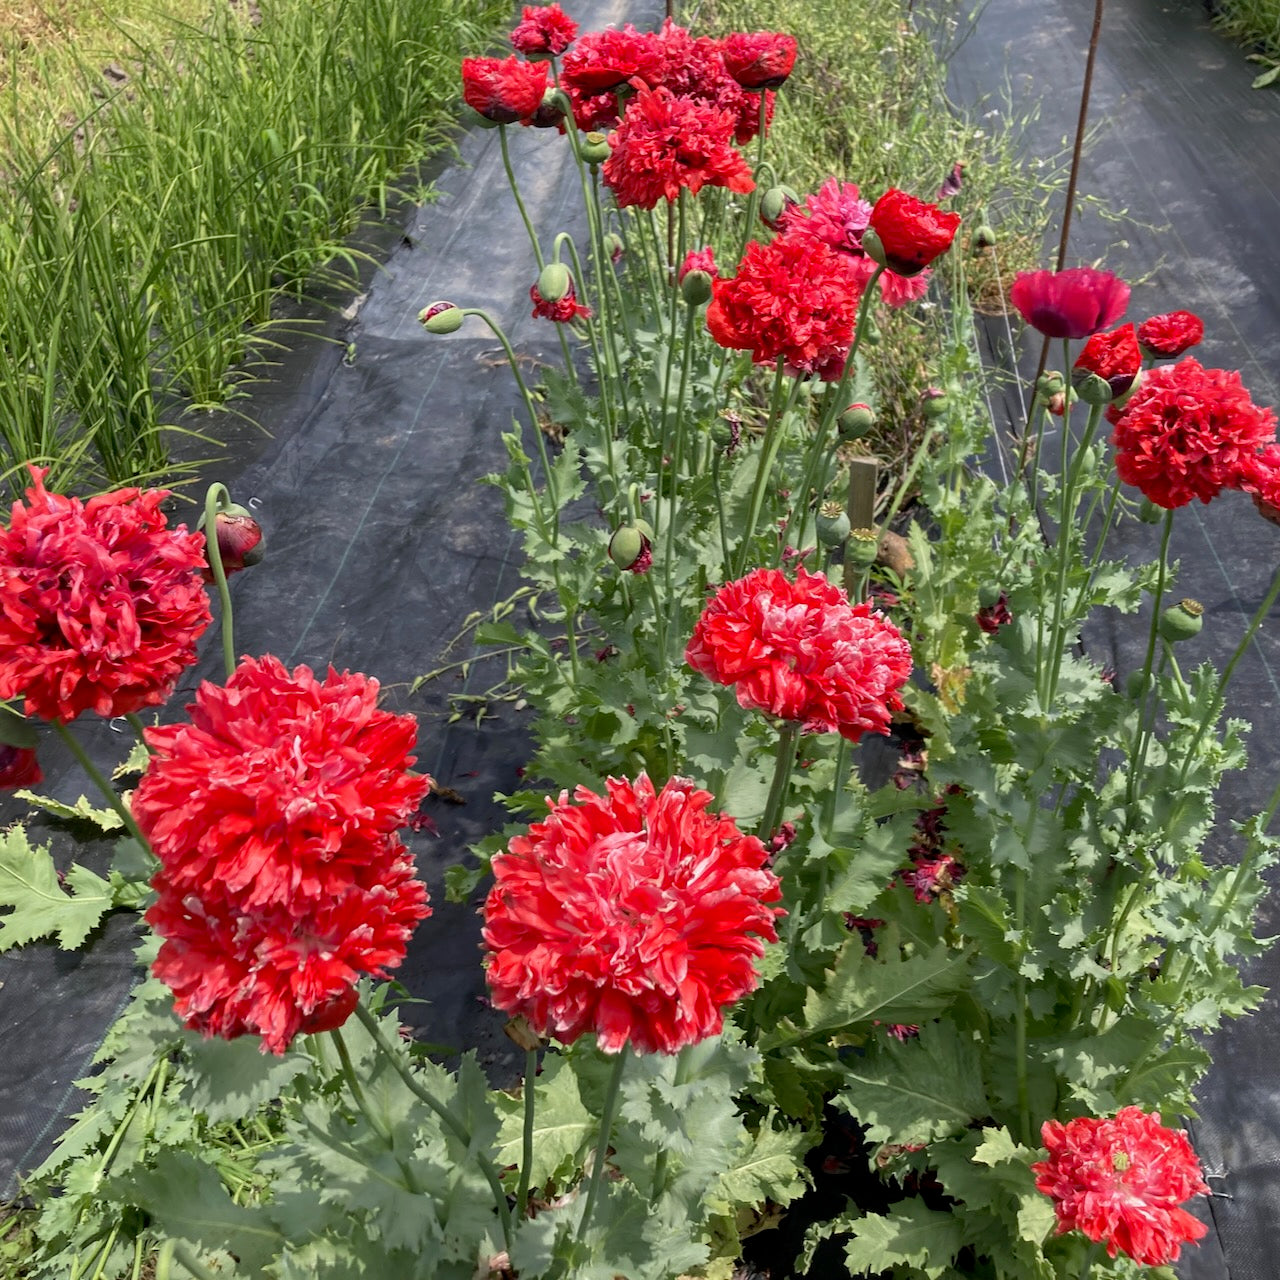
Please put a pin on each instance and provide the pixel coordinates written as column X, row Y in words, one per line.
column 1254, row 23
column 145, row 242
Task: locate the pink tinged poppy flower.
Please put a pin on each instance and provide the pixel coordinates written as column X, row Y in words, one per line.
column 1121, row 1182
column 273, row 813
column 667, row 144
column 1188, row 432
column 907, row 233
column 1166, row 337
column 1074, row 303
column 503, row 90
column 703, row 260
column 101, row 603
column 637, row 915
column 759, row 59
column 800, row 651
column 544, row 31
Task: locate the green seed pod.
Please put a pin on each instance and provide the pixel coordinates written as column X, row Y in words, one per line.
column 1181, row 621
column 695, row 288
column 595, row 149
column 1149, row 513
column 983, row 237
column 625, row 546
column 988, row 595
column 863, row 546
column 441, row 317
column 1091, row 388
column 934, row 404
column 554, row 282
column 1136, row 686
column 856, row 422
column 833, row 524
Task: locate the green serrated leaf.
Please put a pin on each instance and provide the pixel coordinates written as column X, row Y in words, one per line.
column 81, row 811
column 562, row 1125
column 910, row 1235
column 40, row 907
column 231, row 1079
column 769, row 1166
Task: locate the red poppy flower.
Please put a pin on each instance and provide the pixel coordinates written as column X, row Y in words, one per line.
column 794, row 299
column 1069, row 304
column 909, row 233
column 634, row 914
column 703, row 260
column 837, row 215
column 19, row 767
column 1187, row 432
column 563, row 310
column 101, row 603
column 666, row 144
column 799, row 650
column 603, row 61
column 544, row 31
column 760, row 59
column 273, row 813
column 1114, row 357
column 1166, row 337
column 1259, row 476
column 1121, row 1181
column 503, row 90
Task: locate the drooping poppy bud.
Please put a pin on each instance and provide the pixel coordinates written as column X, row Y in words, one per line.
column 774, row 203
column 441, row 317
column 239, row 539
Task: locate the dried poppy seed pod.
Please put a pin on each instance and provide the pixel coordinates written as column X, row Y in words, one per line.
column 863, row 546
column 595, row 149
column 832, row 524
column 441, row 317
column 856, row 422
column 1181, row 621
column 554, row 282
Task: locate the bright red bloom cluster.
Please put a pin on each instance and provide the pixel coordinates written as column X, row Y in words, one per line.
column 101, row 603
column 503, row 90
column 562, row 311
column 911, row 232
column 837, row 215
column 799, row 650
column 759, row 59
column 544, row 31
column 1188, row 432
column 666, row 144
column 1069, row 304
column 1121, row 1181
column 273, row 814
column 636, row 915
column 1166, row 337
column 1114, row 357
column 792, row 298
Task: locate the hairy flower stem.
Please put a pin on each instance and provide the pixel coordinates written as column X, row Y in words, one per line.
column 449, row 1120
column 783, row 763
column 1068, row 536
column 612, row 1097
column 515, row 191
column 376, row 1123
column 1137, row 761
column 526, row 1138
column 217, row 499
column 496, row 329
column 99, row 780
column 1214, row 708
column 778, row 406
column 716, row 456
column 1020, row 995
column 753, row 200
column 677, row 467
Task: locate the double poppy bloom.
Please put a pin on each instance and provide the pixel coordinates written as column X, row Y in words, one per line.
column 101, row 603
column 544, row 31
column 637, row 915
column 503, row 90
column 759, row 59
column 1122, row 1181
column 800, row 651
column 1188, row 432
column 907, row 233
column 273, row 814
column 1167, row 336
column 1112, row 358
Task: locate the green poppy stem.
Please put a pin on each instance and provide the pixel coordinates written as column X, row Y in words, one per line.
column 612, row 1097
column 109, row 793
column 215, row 500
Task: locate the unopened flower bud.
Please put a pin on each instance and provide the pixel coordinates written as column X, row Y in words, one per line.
column 1137, row 683
column 631, row 547
column 988, row 595
column 613, row 246
column 239, row 539
column 695, row 288
column 1181, row 621
column 774, row 203
column 554, row 282
column 873, row 248
column 856, row 421
column 1050, row 384
column 441, row 317
column 1089, row 460
column 833, row 524
column 1149, row 513
column 721, row 433
column 595, row 149
column 1091, row 388
column 983, row 237
column 934, row 404
column 862, row 546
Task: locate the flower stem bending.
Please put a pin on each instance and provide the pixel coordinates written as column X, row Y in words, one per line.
column 215, row 500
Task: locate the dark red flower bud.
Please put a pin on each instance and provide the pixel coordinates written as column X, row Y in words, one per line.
column 239, row 541
column 906, row 234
